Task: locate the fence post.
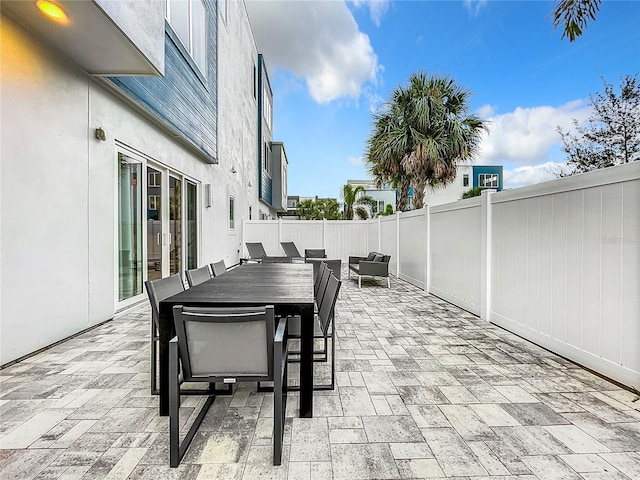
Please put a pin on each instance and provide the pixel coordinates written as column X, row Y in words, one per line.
column 485, row 252
column 427, row 257
column 324, row 233
column 398, row 245
column 280, row 231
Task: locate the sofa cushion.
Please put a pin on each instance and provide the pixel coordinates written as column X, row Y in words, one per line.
column 371, row 256
column 378, row 258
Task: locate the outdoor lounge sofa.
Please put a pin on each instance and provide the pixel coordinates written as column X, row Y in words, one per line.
column 373, row 265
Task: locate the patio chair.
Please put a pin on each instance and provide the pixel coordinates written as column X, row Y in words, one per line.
column 218, row 268
column 374, row 265
column 268, row 259
column 256, row 251
column 158, row 290
column 226, row 345
column 290, row 250
column 324, row 327
column 315, row 253
column 196, row 276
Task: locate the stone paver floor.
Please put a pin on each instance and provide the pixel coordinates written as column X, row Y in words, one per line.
column 425, row 390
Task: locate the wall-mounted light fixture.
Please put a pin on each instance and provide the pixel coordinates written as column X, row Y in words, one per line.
column 233, row 169
column 250, row 184
column 101, row 134
column 53, row 11
column 207, row 195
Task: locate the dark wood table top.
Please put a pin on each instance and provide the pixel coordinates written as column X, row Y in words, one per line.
column 254, row 284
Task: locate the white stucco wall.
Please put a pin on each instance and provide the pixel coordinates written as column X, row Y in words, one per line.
column 58, row 184
column 452, row 192
column 237, row 120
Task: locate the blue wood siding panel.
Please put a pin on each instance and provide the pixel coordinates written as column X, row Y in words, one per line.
column 264, row 133
column 183, row 99
column 487, row 169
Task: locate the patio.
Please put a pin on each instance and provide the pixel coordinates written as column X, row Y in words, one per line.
column 425, row 390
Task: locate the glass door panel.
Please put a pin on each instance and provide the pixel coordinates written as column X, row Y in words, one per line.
column 154, row 224
column 192, row 225
column 130, row 269
column 175, row 225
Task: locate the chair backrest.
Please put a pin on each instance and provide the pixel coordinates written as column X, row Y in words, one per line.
column 218, row 268
column 255, row 249
column 335, row 266
column 290, row 249
column 315, row 253
column 276, row 259
column 324, row 274
column 327, row 306
column 158, row 290
column 198, row 275
column 225, row 343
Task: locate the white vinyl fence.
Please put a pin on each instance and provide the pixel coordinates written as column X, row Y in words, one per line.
column 557, row 263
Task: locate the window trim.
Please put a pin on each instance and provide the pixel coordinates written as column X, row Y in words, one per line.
column 482, row 180
column 231, row 213
column 187, row 50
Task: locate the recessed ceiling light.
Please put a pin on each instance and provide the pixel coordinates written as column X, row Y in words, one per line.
column 53, row 11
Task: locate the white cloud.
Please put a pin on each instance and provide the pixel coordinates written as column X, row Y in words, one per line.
column 355, row 161
column 530, row 174
column 377, row 8
column 474, row 6
column 526, row 135
column 319, row 41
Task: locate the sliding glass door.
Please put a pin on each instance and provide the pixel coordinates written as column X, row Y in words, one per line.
column 157, row 231
column 130, row 254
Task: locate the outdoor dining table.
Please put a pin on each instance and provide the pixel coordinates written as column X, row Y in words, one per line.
column 286, row 286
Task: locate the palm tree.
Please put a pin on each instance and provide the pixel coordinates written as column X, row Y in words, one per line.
column 356, row 202
column 384, row 156
column 422, row 134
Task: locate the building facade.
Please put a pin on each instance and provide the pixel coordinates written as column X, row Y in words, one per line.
column 468, row 177
column 130, row 134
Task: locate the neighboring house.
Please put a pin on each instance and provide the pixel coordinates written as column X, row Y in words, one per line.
column 135, row 138
column 280, row 164
column 383, row 196
column 469, row 176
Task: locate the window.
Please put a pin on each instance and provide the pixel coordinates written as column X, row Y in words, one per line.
column 266, row 157
column 154, row 178
column 255, row 80
column 291, row 203
column 188, row 19
column 465, row 180
column 232, row 213
column 381, row 205
column 266, row 105
column 488, row 180
column 222, row 9
column 154, row 202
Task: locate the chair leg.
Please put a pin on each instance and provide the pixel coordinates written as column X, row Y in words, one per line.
column 279, row 400
column 388, row 282
column 359, row 281
column 154, row 345
column 177, row 449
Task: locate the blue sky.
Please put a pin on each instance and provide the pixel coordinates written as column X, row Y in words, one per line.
column 332, row 63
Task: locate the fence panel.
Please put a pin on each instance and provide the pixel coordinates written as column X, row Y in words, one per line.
column 374, row 236
column 413, row 246
column 262, row 231
column 389, row 241
column 344, row 238
column 565, row 268
column 304, row 233
column 455, row 261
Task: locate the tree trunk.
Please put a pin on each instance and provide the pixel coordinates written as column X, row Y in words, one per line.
column 418, row 194
column 403, row 196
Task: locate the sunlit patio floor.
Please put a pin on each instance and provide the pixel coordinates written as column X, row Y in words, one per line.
column 425, row 390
